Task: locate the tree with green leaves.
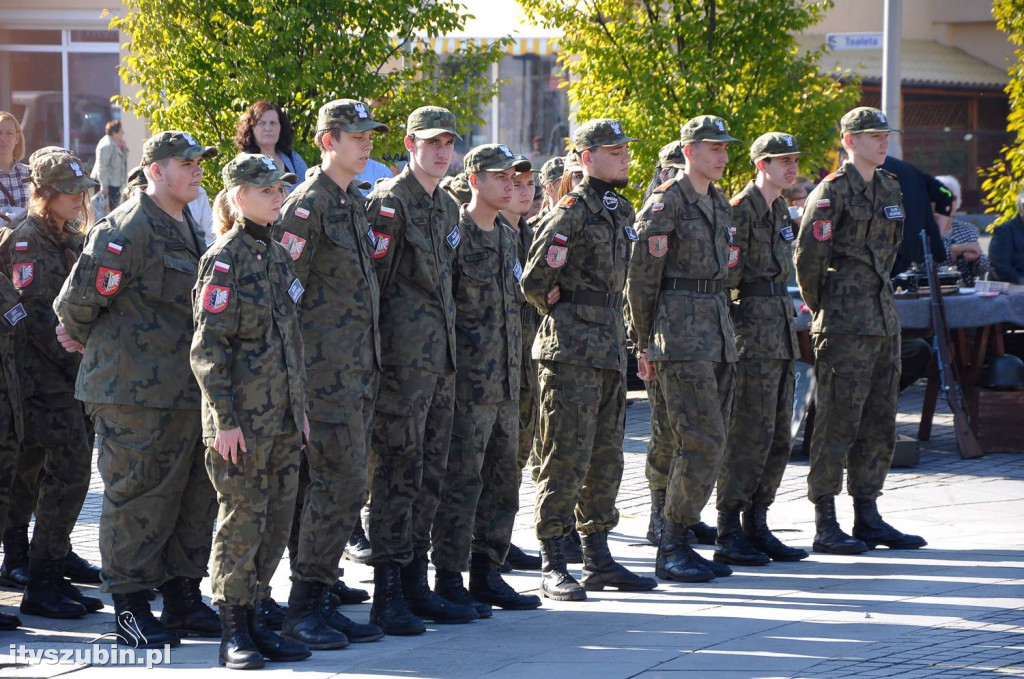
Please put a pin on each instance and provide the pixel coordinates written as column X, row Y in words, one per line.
column 653, row 64
column 199, row 64
column 1005, row 178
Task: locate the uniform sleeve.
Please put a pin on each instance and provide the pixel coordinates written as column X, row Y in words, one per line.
column 814, row 244
column 110, row 261
column 11, row 310
column 298, row 230
column 655, row 228
column 742, row 220
column 216, row 311
column 386, row 216
column 552, row 247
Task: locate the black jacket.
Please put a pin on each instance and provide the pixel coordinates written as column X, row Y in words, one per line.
column 1006, row 251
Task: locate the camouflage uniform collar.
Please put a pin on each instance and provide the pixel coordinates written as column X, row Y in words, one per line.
column 165, row 223
column 36, row 225
column 690, row 193
column 758, row 202
column 332, row 187
column 854, row 177
column 479, row 238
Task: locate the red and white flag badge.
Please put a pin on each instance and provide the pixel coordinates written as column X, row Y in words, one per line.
column 108, row 281
column 560, row 239
column 23, row 273
column 115, row 248
column 381, row 245
column 302, row 213
column 21, row 245
column 823, row 229
column 387, row 211
column 658, row 245
column 293, row 244
column 223, row 267
column 657, row 207
column 734, row 256
column 557, row 255
column 215, row 298
column 824, row 202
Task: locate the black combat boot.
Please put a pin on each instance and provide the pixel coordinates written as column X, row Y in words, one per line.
column 600, row 570
column 732, row 545
column 357, row 633
column 755, row 527
column 77, row 569
column 340, row 594
column 486, row 584
column 9, row 622
column 423, row 602
column 135, row 625
column 43, row 595
column 14, row 570
column 449, row 585
column 91, row 603
column 555, row 581
column 238, row 650
column 705, row 534
column 272, row 646
column 829, row 537
column 869, row 528
column 305, row 623
column 271, row 613
column 358, row 547
column 572, row 547
column 657, row 522
column 520, row 560
column 676, row 559
column 184, row 611
column 389, row 609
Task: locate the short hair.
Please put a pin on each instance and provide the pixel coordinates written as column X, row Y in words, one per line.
column 245, row 139
column 19, row 147
column 113, row 127
column 335, row 133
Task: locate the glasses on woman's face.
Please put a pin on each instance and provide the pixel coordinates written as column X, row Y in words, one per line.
column 268, row 124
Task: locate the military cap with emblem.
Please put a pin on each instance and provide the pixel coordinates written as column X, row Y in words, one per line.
column 865, row 119
column 427, row 122
column 494, row 158
column 551, row 171
column 136, row 179
column 599, row 132
column 773, row 145
column 174, row 144
column 520, row 167
column 347, row 115
column 458, row 187
column 59, row 169
column 572, row 163
column 254, row 169
column 671, row 155
column 705, row 128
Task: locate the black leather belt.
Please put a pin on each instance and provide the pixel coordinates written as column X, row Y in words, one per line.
column 610, row 299
column 764, row 289
column 693, row 285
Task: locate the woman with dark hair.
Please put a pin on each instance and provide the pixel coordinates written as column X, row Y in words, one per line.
column 265, row 128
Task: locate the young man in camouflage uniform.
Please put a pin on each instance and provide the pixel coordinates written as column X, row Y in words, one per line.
column 480, row 492
column 416, row 230
column 12, row 313
column 681, row 328
column 575, row 274
column 849, row 236
column 762, row 313
column 323, row 226
column 128, row 303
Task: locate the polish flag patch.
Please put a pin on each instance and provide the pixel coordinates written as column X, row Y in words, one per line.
column 21, row 245
column 387, row 211
column 223, row 267
column 560, row 239
column 824, row 202
column 302, row 213
column 115, row 248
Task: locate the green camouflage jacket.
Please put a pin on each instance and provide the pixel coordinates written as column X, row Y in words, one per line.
column 12, row 314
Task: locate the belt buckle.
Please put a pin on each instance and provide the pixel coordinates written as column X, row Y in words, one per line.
column 703, row 285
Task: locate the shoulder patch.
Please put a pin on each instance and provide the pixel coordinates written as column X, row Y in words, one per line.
column 22, row 274
column 567, row 201
column 664, row 187
column 381, row 244
column 108, row 281
column 15, row 314
column 292, row 243
column 215, row 298
column 886, row 173
column 735, row 201
column 302, row 213
column 830, row 176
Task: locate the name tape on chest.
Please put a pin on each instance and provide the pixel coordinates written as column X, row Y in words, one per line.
column 15, row 314
column 893, row 212
column 215, row 298
column 631, row 234
column 517, row 271
column 787, row 233
column 454, row 237
column 295, row 290
column 293, row 244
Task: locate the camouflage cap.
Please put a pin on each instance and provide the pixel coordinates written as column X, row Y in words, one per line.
column 523, row 164
column 136, row 179
column 773, row 145
column 458, row 187
column 551, row 171
column 427, row 122
column 865, row 119
column 59, row 169
column 494, row 158
column 599, row 132
column 571, row 163
column 705, row 128
column 347, row 115
column 174, row 144
column 671, row 155
column 254, row 169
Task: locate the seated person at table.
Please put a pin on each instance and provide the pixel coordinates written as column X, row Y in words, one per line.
column 1006, row 251
column 960, row 238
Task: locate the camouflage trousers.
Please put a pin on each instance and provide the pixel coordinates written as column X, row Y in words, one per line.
column 158, row 502
column 412, row 427
column 10, row 448
column 529, row 413
column 855, row 414
column 699, row 402
column 760, row 438
column 580, row 433
column 257, row 500
column 661, row 448
column 480, row 492
column 332, row 489
column 53, row 475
